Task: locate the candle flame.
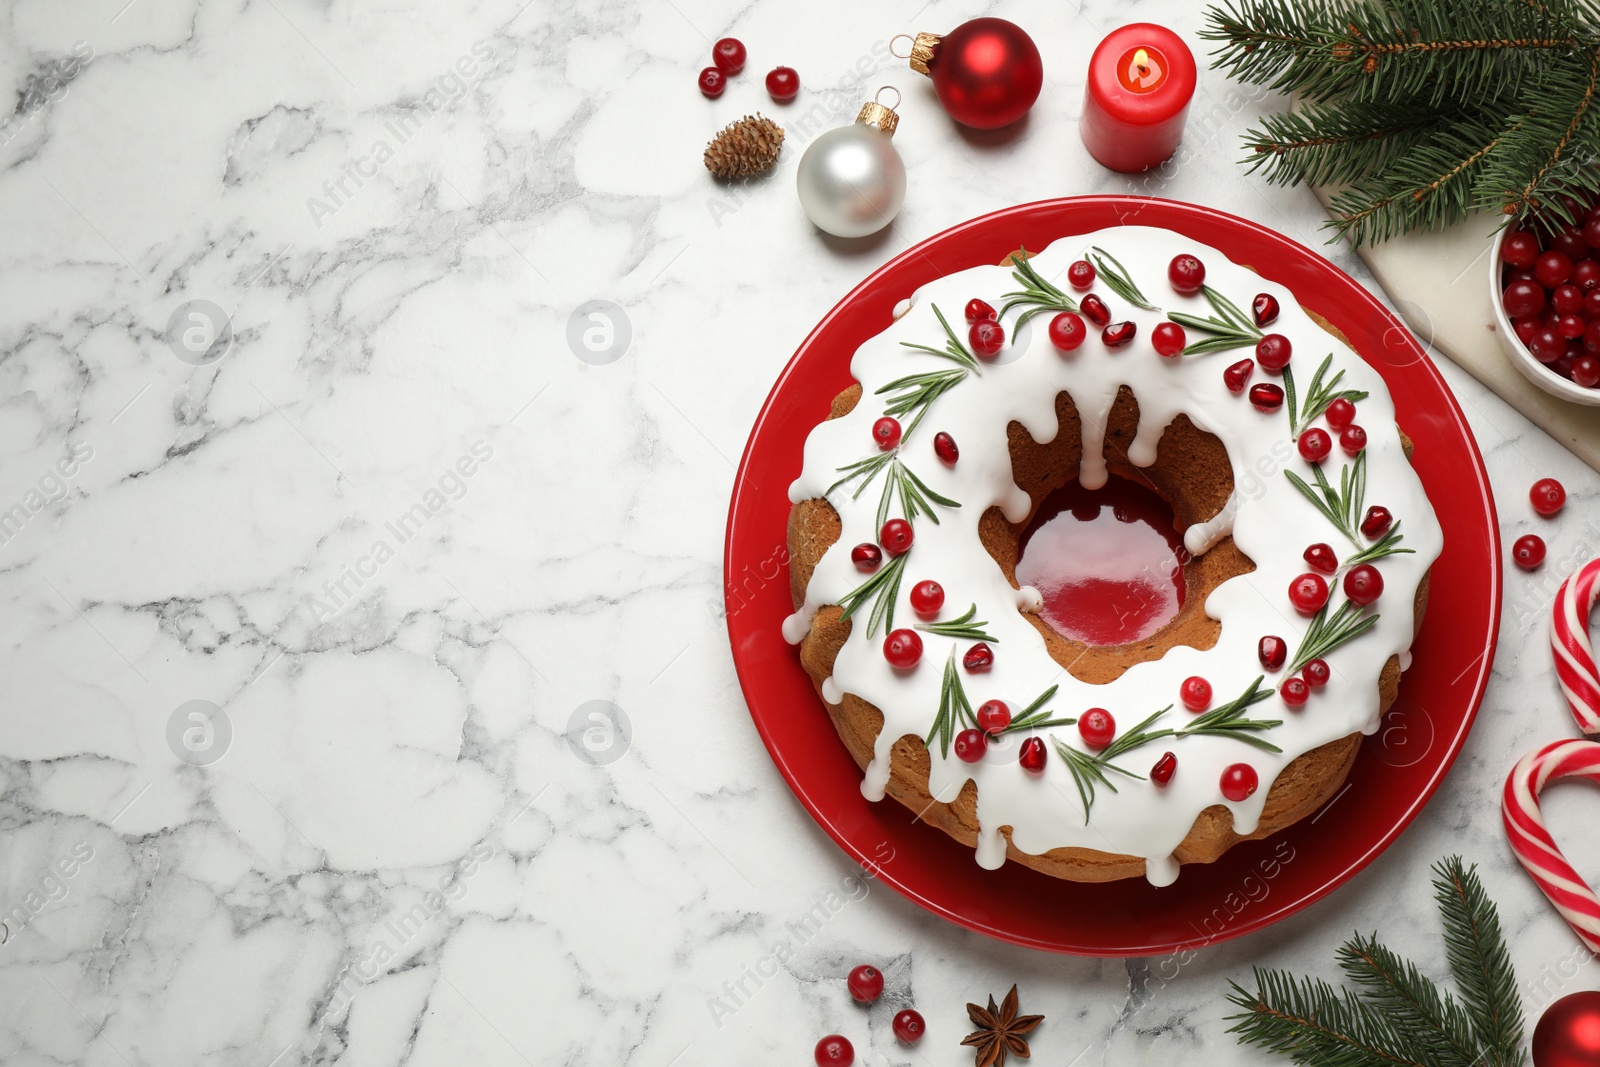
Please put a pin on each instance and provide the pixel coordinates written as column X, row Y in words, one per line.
column 1141, row 59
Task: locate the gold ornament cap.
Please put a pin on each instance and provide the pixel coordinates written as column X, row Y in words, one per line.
column 879, row 115
column 922, row 46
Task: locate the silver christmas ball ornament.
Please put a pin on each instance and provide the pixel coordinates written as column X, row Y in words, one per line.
column 852, row 181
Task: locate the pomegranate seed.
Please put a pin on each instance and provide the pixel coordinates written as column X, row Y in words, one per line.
column 1264, row 309
column 886, row 431
column 1322, row 557
column 927, row 597
column 712, row 82
column 1080, row 275
column 979, row 658
column 1528, row 551
column 866, row 556
column 1097, row 728
column 1118, row 334
column 896, row 536
column 971, row 745
column 1548, row 496
column 1294, row 691
column 1353, row 439
column 1272, row 651
column 987, row 339
column 993, row 716
column 980, row 311
column 1308, row 593
column 1315, row 444
column 1237, row 376
column 1266, row 397
column 1340, row 413
column 908, row 1024
column 1363, row 584
column 865, row 983
column 902, row 648
column 783, row 84
column 728, row 54
column 1273, row 352
column 1195, row 692
column 1316, row 673
column 1168, row 339
column 1032, row 757
column 1239, row 782
column 1161, row 774
column 1095, row 310
column 1376, row 523
column 1067, row 331
column 1186, row 273
column 944, row 446
column 834, row 1051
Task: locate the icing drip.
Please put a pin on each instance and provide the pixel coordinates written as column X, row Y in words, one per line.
column 1268, row 519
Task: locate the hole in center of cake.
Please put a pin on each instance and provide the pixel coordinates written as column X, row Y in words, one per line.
column 1108, row 562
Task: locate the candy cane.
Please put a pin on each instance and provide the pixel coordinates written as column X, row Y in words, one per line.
column 1532, row 843
column 1574, row 653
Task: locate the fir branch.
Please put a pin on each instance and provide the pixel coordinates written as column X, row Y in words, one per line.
column 1317, row 1024
column 1337, row 142
column 1392, row 985
column 882, row 589
column 1479, row 961
column 1553, row 146
column 1117, row 279
column 1326, row 634
column 1228, row 720
column 1229, row 327
column 1036, row 294
column 966, row 628
column 955, row 710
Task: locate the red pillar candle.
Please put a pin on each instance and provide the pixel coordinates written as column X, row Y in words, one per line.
column 1141, row 78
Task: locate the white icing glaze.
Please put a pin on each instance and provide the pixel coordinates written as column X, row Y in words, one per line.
column 1269, row 520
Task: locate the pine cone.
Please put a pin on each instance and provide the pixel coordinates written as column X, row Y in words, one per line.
column 744, row 148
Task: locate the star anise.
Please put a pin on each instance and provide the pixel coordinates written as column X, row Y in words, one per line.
column 999, row 1031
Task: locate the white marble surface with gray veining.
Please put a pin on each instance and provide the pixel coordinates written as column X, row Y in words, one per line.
column 295, row 615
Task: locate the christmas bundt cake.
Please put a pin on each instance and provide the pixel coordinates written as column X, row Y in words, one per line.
column 1306, row 544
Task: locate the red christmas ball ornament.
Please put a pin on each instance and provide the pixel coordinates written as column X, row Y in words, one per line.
column 1568, row 1034
column 986, row 72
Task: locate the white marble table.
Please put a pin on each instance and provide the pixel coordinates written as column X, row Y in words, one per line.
column 402, row 537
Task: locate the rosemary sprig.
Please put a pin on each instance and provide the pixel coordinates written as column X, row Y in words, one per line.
column 1384, row 546
column 1117, row 278
column 1089, row 771
column 1033, row 716
column 954, row 708
column 1230, row 327
column 1228, row 720
column 1327, row 634
column 1318, row 397
column 900, row 482
column 882, row 589
column 1342, row 507
column 953, row 350
column 966, row 628
column 916, row 392
column 1036, row 294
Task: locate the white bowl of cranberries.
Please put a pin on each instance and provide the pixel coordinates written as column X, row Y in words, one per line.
column 1544, row 282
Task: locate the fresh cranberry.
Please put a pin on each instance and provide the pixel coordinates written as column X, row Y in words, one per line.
column 1547, row 344
column 980, row 311
column 1570, row 243
column 1273, row 352
column 944, row 446
column 908, row 1024
column 1032, row 755
column 866, row 556
column 896, row 536
column 1524, row 329
column 902, row 648
column 886, row 431
column 1376, row 522
column 1315, row 444
column 1316, row 673
column 1266, row 397
column 1186, row 273
column 927, row 597
column 979, row 658
column 1118, row 334
column 1080, row 274
column 1264, row 309
column 1168, row 339
column 971, row 745
column 987, row 338
column 1161, row 774
column 1521, row 274
column 834, row 1051
column 1548, row 496
column 1567, row 298
column 1591, row 301
column 1570, row 326
column 1097, row 728
column 1195, row 692
column 783, row 84
column 865, row 983
column 1552, row 268
column 1522, row 299
column 1322, row 557
column 1308, row 593
column 1237, row 376
column 1353, row 439
column 1294, row 691
column 1340, row 413
column 1363, row 584
column 1591, row 232
column 1528, row 551
column 728, row 55
column 1520, row 249
column 712, row 82
column 1586, row 371
column 1272, row 651
column 1586, row 276
column 993, row 716
column 1239, row 782
column 1067, row 331
column 1095, row 310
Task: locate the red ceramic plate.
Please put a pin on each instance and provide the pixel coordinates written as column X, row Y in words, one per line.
column 1253, row 885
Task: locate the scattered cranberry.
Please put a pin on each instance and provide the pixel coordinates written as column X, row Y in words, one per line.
column 1032, row 756
column 1322, row 557
column 1353, row 439
column 1097, row 728
column 971, row 745
column 1266, row 397
column 866, row 556
column 1118, row 334
column 1316, row 673
column 1168, row 339
column 1273, row 352
column 783, row 84
column 1340, row 413
column 980, row 311
column 1520, row 249
column 712, row 82
column 1161, row 774
column 908, row 1024
column 1264, row 309
column 896, row 536
column 1237, row 376
column 1186, row 273
column 1548, row 496
column 944, row 446
column 728, row 55
column 1363, row 584
column 979, row 658
column 1528, row 551
column 1522, row 298
column 1552, row 268
column 993, row 716
column 1080, row 275
column 865, row 983
column 886, row 431
column 1294, row 691
column 834, row 1051
column 902, row 648
column 927, row 597
column 1586, row 371
column 1308, row 593
column 1095, row 310
column 1376, row 522
column 1067, row 331
column 987, row 337
column 1315, row 444
column 1272, row 651
column 1239, row 782
column 1195, row 692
